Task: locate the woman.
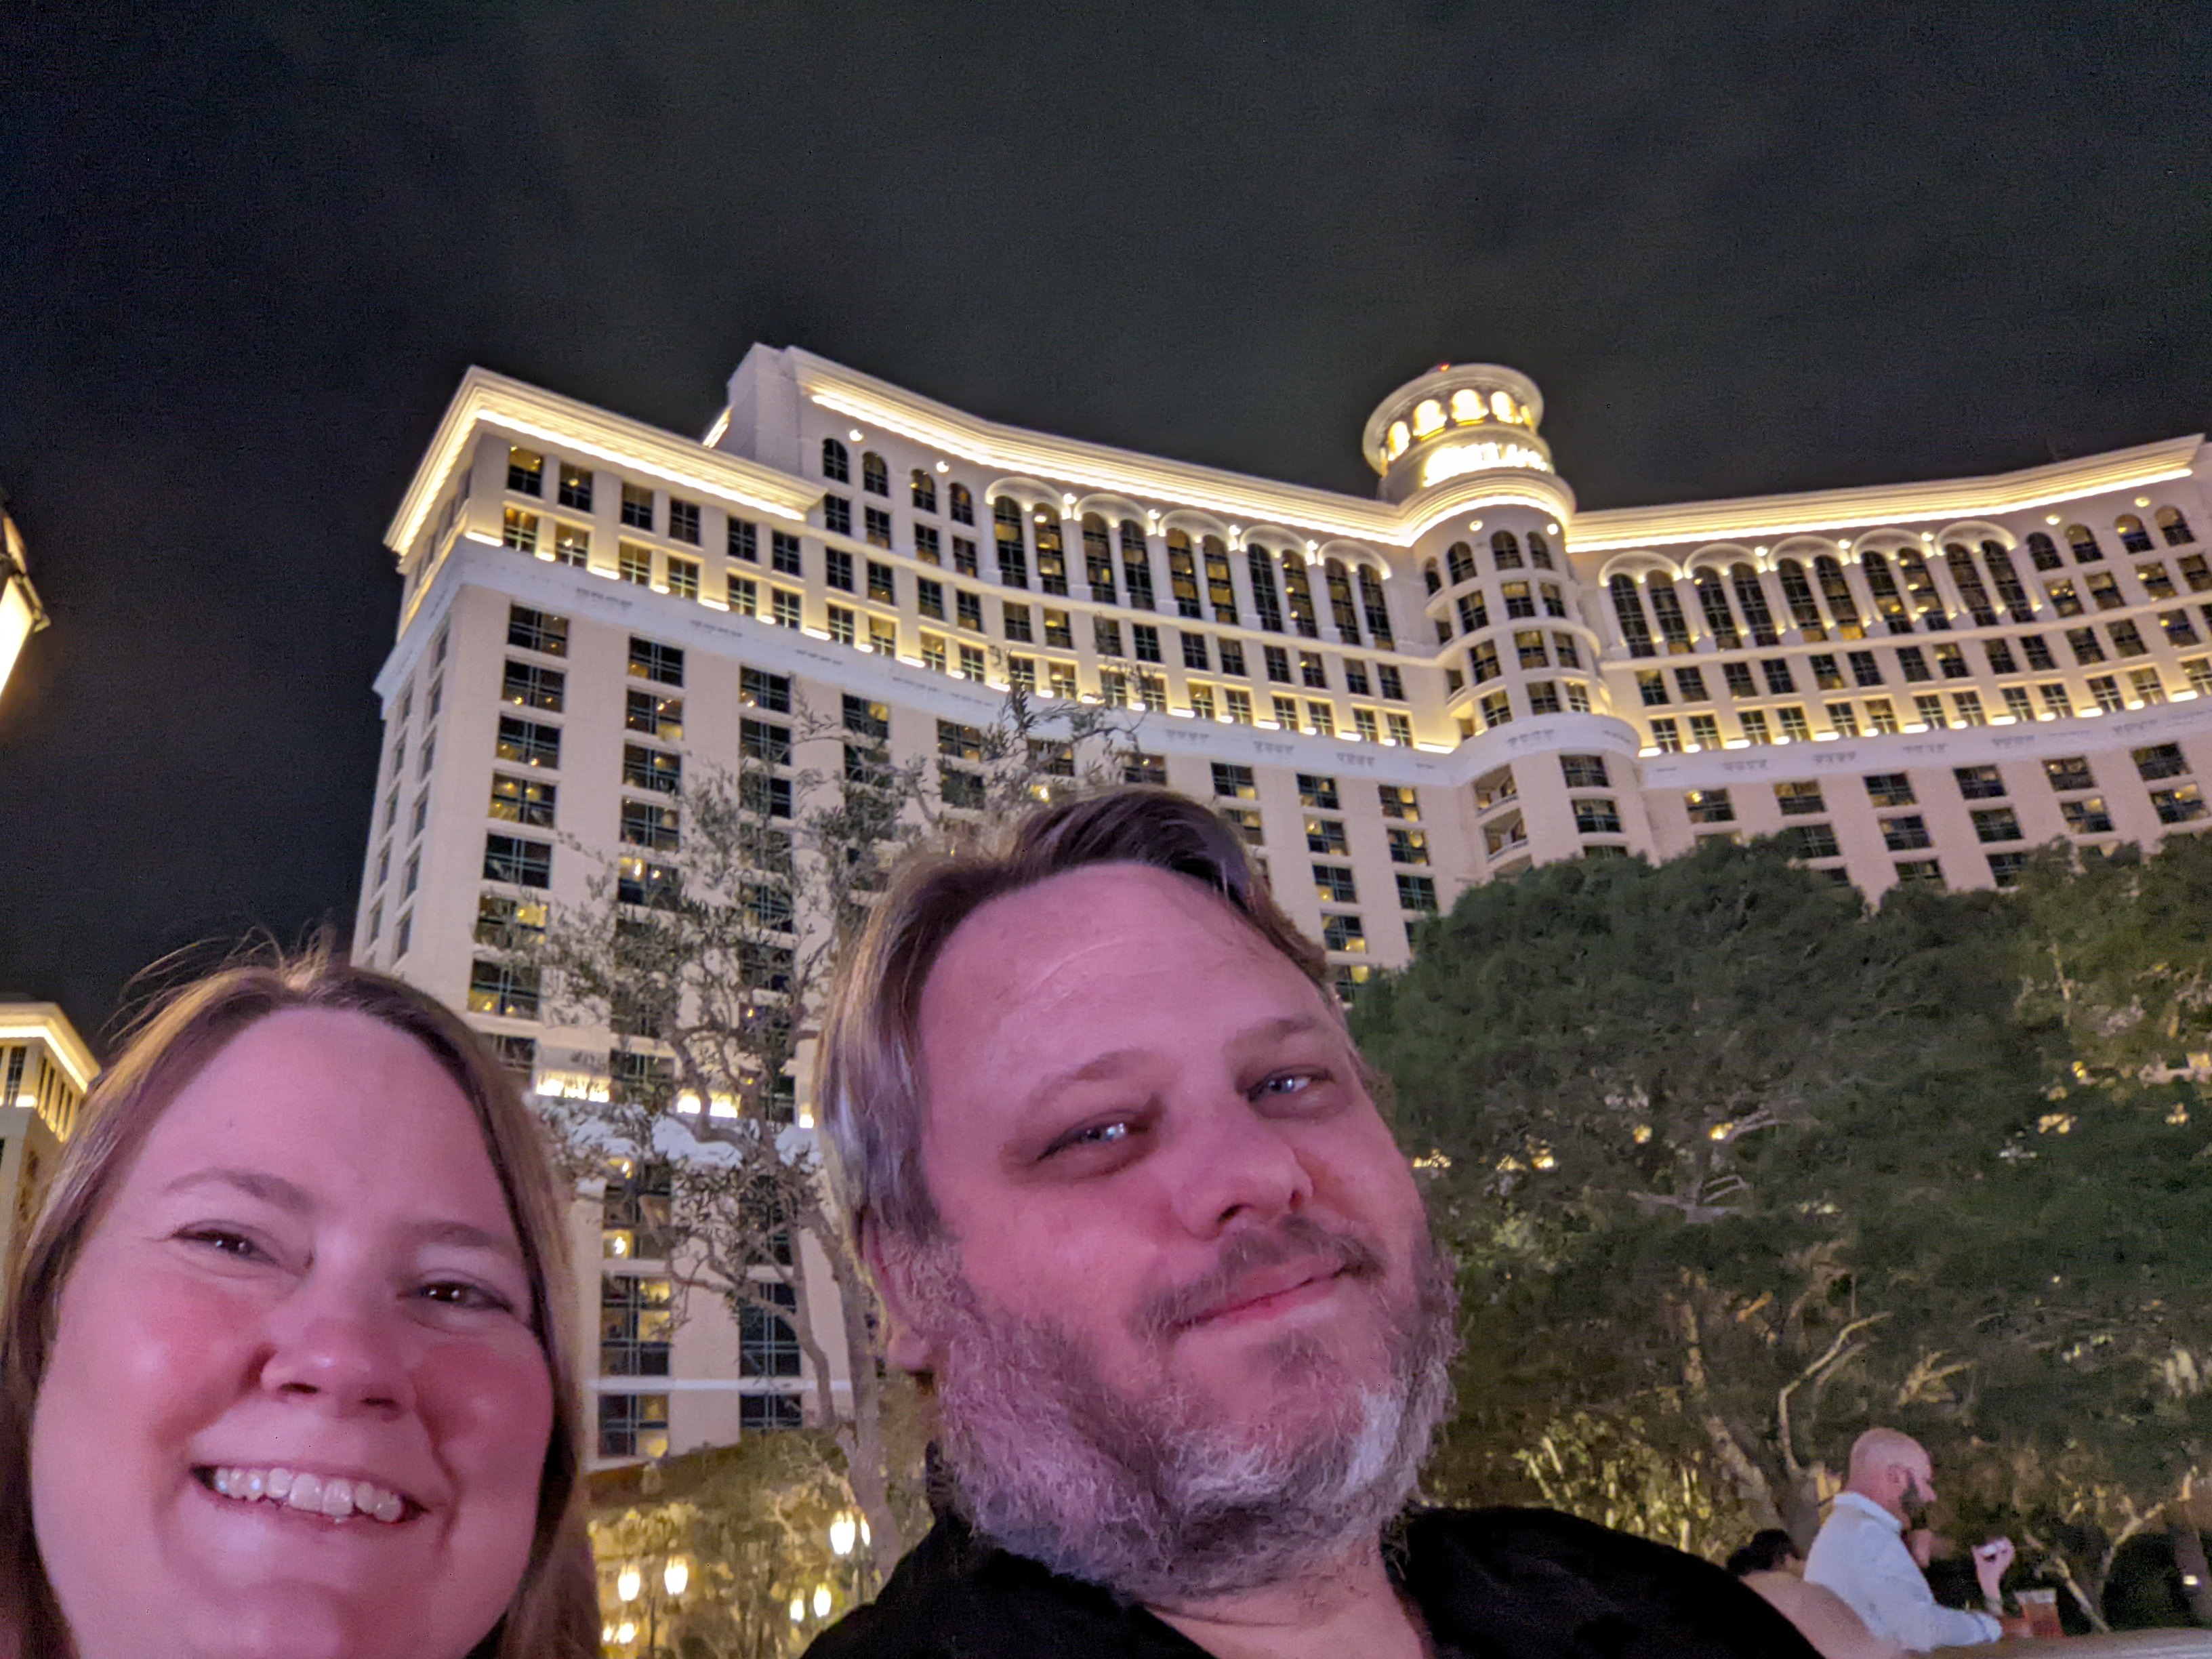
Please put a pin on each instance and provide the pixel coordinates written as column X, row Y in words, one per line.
column 287, row 1367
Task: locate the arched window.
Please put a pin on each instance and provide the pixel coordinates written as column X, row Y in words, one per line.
column 1340, row 606
column 924, row 491
column 1259, row 566
column 1377, row 607
column 1838, row 592
column 875, row 477
column 2042, row 553
column 1505, row 551
column 963, row 505
column 1013, row 550
column 1429, row 577
column 1998, row 562
column 1969, row 583
column 1098, row 559
column 1136, row 564
column 1797, row 593
column 1712, row 600
column 1666, row 612
column 1459, row 562
column 1220, row 589
column 1751, row 600
column 1052, row 561
column 1297, row 586
column 1628, row 611
column 1921, row 585
column 1182, row 573
column 2084, row 544
column 1540, row 550
column 2174, row 526
column 837, row 465
column 2133, row 537
column 1887, row 597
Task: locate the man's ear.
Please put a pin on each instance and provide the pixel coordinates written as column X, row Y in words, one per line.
column 890, row 1261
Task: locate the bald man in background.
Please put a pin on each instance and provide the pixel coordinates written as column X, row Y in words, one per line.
column 1861, row 1552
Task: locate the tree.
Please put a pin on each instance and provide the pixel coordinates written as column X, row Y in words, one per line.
column 1736, row 1166
column 705, row 950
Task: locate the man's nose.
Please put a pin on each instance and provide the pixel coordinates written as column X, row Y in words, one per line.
column 1231, row 1165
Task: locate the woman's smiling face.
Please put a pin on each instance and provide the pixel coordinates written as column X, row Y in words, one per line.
column 307, row 1283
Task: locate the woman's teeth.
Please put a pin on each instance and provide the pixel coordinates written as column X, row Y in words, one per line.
column 327, row 1495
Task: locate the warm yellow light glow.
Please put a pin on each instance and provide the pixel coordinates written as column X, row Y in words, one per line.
column 675, row 1576
column 1501, row 406
column 1456, row 460
column 625, row 1633
column 627, row 1583
column 1401, row 438
column 715, row 432
column 944, row 467
column 15, row 622
column 798, row 1610
column 857, row 435
column 822, row 1601
column 1428, row 416
column 844, row 1533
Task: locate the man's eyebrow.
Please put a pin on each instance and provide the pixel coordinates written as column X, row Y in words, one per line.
column 1115, row 1062
column 254, row 1183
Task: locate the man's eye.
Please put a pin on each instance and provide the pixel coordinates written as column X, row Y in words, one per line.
column 1287, row 1083
column 1113, row 1132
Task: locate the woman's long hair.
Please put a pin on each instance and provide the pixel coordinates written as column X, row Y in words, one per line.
column 555, row 1613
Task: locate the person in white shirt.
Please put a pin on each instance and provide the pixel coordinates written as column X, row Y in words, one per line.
column 1861, row 1552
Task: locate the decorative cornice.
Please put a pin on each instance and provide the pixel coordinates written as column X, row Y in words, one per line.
column 1755, row 516
column 45, row 1022
column 573, row 427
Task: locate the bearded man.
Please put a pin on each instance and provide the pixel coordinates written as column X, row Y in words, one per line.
column 1119, row 1174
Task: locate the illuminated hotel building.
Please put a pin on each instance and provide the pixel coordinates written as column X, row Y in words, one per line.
column 45, row 1070
column 1396, row 696
column 20, row 614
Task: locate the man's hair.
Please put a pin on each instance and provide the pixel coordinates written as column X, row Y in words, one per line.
column 1770, row 1547
column 1882, row 1448
column 871, row 1086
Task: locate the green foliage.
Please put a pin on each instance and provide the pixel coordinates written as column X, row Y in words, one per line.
column 1736, row 1166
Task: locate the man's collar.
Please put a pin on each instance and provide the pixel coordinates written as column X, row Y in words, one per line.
column 1861, row 1501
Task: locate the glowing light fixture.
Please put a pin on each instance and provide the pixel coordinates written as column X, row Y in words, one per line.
column 675, row 1575
column 822, row 1601
column 844, row 1532
column 627, row 1583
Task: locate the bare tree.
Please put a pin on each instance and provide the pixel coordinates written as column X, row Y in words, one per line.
column 705, row 948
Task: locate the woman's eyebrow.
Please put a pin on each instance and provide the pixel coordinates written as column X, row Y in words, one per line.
column 254, row 1183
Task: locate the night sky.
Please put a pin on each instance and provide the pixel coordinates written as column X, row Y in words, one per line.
column 246, row 251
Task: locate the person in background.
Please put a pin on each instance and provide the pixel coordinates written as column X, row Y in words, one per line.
column 1769, row 1563
column 1119, row 1172
column 286, row 1367
column 1862, row 1555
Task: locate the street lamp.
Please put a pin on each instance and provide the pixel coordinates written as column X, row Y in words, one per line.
column 844, row 1533
column 627, row 1583
column 675, row 1576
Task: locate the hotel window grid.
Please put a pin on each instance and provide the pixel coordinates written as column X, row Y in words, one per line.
column 1340, row 930
column 533, row 630
column 1799, row 799
column 882, row 590
column 745, row 541
column 876, row 523
column 836, row 462
column 875, row 477
column 1318, row 793
column 683, row 577
column 1136, row 565
column 682, row 520
column 1057, row 630
column 633, row 564
column 837, row 569
column 1051, row 559
column 926, row 547
column 637, row 508
column 1259, row 566
column 1098, row 559
column 507, row 923
column 2182, row 803
column 505, row 990
column 526, row 471
column 526, row 743
column 1220, row 591
column 519, row 530
column 783, row 554
column 575, row 488
column 1333, row 885
column 656, row 769
column 651, row 661
column 527, row 801
column 1342, row 609
column 1709, row 807
column 922, row 490
column 1978, row 782
column 1014, row 621
column 1297, row 593
column 518, row 860
column 1906, row 835
column 1416, row 894
column 1596, row 815
column 1013, row 552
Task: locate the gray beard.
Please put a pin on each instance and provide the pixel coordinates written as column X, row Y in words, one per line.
column 1155, row 1498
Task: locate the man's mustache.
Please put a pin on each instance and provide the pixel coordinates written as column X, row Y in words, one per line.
column 1295, row 1238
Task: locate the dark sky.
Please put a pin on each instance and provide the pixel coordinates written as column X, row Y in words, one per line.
column 246, row 251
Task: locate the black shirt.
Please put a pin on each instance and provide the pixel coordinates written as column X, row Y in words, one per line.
column 1496, row 1584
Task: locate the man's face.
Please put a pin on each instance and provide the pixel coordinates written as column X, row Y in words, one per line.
column 1915, row 1487
column 1167, row 1189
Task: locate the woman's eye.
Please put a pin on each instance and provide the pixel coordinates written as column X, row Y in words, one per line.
column 456, row 1293
column 1287, row 1083
column 1113, row 1132
column 224, row 1241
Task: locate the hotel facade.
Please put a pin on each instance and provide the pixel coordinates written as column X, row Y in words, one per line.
column 1395, row 697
